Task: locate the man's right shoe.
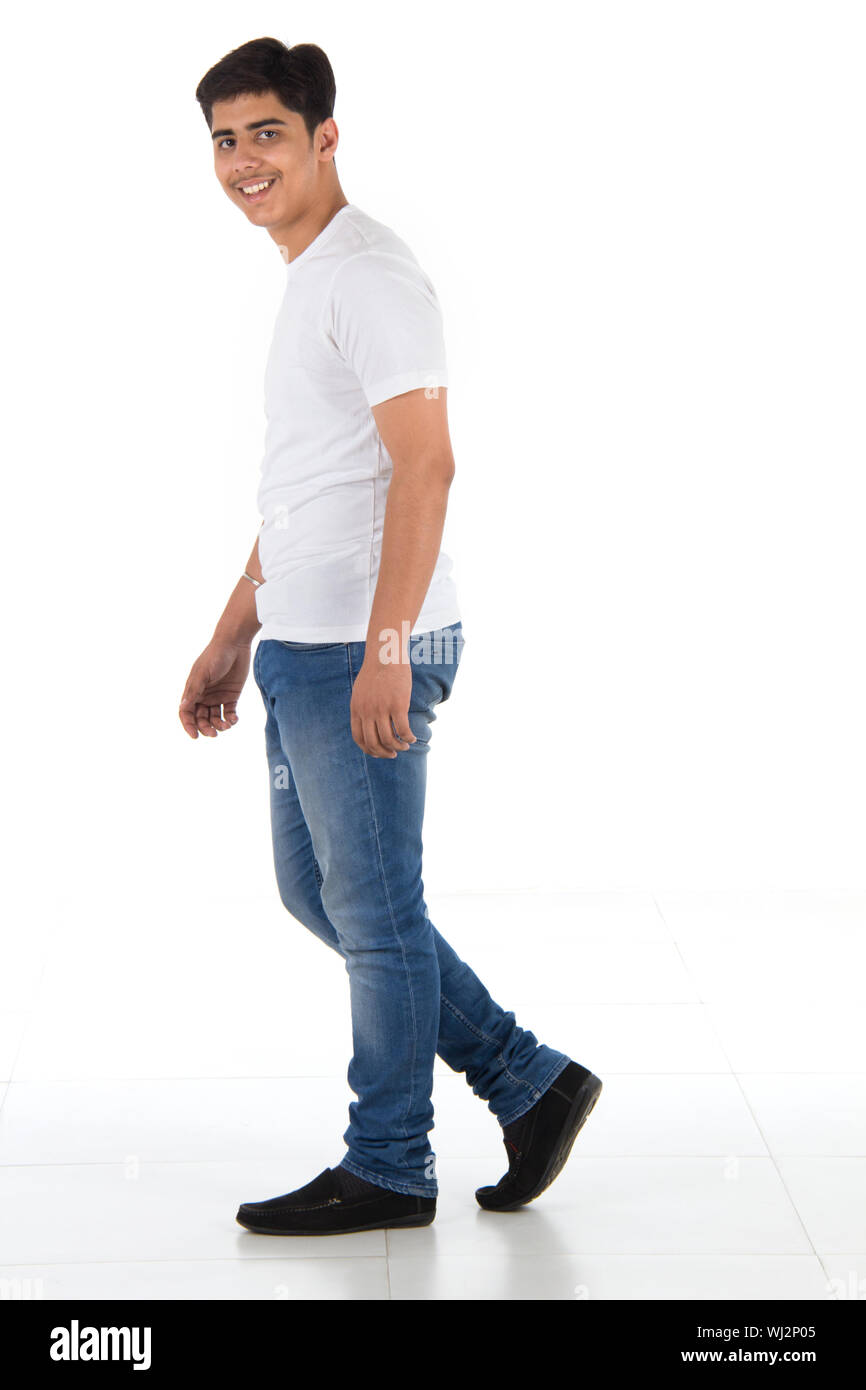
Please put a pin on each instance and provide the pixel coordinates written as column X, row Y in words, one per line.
column 540, row 1141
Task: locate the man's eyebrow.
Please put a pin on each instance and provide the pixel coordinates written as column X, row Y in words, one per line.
column 254, row 125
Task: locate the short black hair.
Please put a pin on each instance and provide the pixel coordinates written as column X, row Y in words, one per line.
column 301, row 77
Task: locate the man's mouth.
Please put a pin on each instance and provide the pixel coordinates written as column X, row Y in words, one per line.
column 254, row 192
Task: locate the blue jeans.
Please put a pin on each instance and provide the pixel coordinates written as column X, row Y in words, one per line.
column 347, row 852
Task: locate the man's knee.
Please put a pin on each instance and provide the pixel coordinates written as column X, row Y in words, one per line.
column 309, row 913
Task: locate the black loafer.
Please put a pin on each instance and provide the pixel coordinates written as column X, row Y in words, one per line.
column 322, row 1209
column 539, row 1143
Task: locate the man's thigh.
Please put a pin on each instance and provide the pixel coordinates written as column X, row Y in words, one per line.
column 364, row 814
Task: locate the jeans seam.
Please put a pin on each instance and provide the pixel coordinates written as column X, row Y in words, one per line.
column 479, row 1033
column 381, row 870
column 487, row 1037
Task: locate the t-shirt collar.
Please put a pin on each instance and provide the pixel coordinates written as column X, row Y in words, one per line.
column 318, row 241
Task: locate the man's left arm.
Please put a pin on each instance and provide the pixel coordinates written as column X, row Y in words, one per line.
column 414, row 430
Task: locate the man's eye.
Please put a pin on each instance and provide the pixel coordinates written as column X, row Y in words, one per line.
column 229, row 140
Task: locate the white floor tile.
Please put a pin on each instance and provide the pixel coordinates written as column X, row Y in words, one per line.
column 828, row 967
column 12, row 1026
column 617, row 1205
column 847, row 1276
column 240, row 959
column 270, row 1280
column 24, row 961
column 463, row 1126
column 812, row 1113
column 565, row 920
column 226, row 989
column 315, row 1039
column 599, row 972
column 306, row 1037
column 790, row 918
column 136, row 1212
column 771, row 948
column 785, row 1035
column 678, row 1115
column 830, row 1196
column 174, row 1121
column 579, row 1278
column 630, row 1037
column 222, row 1120
column 644, row 1114
column 725, row 1026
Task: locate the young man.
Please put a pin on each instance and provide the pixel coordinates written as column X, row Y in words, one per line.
column 360, row 638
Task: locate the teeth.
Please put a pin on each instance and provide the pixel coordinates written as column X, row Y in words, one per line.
column 256, row 187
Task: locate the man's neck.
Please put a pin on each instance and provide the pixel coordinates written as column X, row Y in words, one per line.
column 293, row 238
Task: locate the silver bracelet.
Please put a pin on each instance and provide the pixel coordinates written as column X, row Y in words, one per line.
column 257, row 582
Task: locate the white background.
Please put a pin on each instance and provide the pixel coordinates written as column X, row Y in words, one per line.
column 645, row 223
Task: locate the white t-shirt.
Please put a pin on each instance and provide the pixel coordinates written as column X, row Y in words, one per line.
column 359, row 323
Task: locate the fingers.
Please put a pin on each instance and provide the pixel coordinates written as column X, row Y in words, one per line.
column 379, row 743
column 383, row 735
column 228, row 717
column 202, row 711
column 187, row 719
column 188, row 708
column 198, row 718
column 365, row 734
column 403, row 728
column 216, row 718
column 202, row 721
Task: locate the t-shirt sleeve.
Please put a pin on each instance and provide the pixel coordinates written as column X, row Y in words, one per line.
column 385, row 320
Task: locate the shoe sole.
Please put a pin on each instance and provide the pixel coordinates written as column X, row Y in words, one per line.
column 581, row 1108
column 422, row 1219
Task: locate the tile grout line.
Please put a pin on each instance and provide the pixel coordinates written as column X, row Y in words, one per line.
column 388, row 1265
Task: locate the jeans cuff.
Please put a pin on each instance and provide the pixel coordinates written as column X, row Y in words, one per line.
column 431, row 1189
column 540, row 1089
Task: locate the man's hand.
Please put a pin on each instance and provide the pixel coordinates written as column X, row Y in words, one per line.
column 382, row 692
column 215, row 682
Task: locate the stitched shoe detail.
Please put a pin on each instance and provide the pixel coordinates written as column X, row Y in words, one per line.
column 539, row 1142
column 320, row 1208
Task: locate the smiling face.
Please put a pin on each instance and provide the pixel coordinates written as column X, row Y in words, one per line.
column 266, row 162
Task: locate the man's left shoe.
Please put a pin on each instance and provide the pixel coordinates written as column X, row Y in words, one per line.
column 326, row 1208
column 540, row 1141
